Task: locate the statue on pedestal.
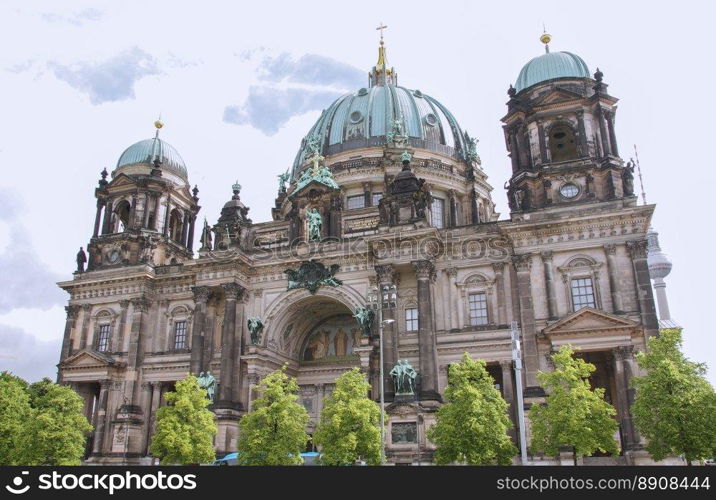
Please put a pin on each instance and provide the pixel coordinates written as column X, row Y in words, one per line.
column 81, row 260
column 207, row 382
column 403, row 377
column 255, row 327
column 315, row 223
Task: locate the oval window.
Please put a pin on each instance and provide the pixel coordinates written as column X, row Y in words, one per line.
column 569, row 190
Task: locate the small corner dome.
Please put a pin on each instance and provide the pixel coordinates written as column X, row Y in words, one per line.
column 146, row 151
column 551, row 66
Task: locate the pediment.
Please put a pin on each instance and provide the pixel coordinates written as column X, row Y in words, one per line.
column 314, row 184
column 89, row 358
column 556, row 96
column 122, row 180
column 587, row 320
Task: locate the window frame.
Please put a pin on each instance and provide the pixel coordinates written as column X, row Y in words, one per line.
column 579, row 267
column 474, row 321
column 185, row 329
column 410, row 322
column 437, row 201
column 358, row 197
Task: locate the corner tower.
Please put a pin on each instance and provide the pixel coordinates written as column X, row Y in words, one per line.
column 146, row 212
column 560, row 135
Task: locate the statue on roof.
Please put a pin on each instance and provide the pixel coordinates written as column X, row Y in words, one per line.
column 81, row 260
column 282, row 179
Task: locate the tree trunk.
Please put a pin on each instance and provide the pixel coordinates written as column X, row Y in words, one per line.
column 574, row 455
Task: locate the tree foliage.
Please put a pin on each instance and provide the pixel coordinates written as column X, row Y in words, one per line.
column 14, row 414
column 472, row 427
column 675, row 406
column 40, row 424
column 185, row 427
column 350, row 423
column 574, row 414
column 273, row 433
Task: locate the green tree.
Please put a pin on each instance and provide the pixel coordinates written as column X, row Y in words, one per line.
column 472, row 427
column 273, row 433
column 574, row 414
column 57, row 430
column 350, row 423
column 185, row 427
column 14, row 414
column 675, row 406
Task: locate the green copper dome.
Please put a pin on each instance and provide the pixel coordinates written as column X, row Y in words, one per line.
column 144, row 152
column 550, row 66
column 371, row 117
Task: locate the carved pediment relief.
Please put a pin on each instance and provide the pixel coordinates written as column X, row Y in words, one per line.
column 558, row 95
column 88, row 358
column 588, row 320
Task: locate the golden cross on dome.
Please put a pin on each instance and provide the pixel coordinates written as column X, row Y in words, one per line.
column 381, row 27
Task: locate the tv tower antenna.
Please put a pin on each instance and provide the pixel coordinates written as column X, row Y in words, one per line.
column 638, row 169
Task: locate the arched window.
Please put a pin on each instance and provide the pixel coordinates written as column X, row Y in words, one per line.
column 122, row 214
column 104, row 322
column 178, row 335
column 580, row 276
column 175, row 225
column 562, row 145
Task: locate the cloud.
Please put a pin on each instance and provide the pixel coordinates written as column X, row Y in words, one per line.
column 294, row 86
column 312, row 69
column 76, row 19
column 26, row 356
column 267, row 109
column 26, row 282
column 110, row 80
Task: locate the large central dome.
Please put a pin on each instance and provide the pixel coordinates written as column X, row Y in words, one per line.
column 370, row 117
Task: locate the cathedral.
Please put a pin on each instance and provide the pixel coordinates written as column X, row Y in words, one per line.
column 383, row 244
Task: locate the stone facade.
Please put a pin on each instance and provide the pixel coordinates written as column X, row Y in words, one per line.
column 568, row 264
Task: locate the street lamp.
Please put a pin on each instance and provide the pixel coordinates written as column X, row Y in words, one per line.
column 377, row 301
column 517, row 358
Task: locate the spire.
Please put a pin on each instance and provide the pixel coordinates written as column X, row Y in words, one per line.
column 545, row 39
column 381, row 73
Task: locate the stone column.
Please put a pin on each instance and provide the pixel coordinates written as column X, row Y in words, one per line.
column 100, row 418
column 145, row 222
column 514, row 150
column 190, row 236
column 523, row 266
column 201, row 297
column 542, row 142
column 583, row 147
column 86, row 310
column 118, row 336
column 107, row 216
column 386, row 276
column 97, row 217
column 135, row 354
column 551, row 294
column 453, row 209
column 508, row 394
column 642, row 284
column 232, row 292
column 603, row 131
column 132, row 223
column 367, row 198
column 157, row 207
column 499, row 269
column 185, row 228
column 611, row 252
column 451, row 274
column 475, row 212
column 146, row 404
column 72, row 312
column 166, row 215
column 426, row 333
column 152, row 416
column 622, row 375
column 612, row 135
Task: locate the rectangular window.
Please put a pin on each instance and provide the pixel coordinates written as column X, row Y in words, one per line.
column 103, row 338
column 356, row 202
column 438, row 212
column 411, row 319
column 478, row 308
column 376, row 198
column 180, row 335
column 582, row 293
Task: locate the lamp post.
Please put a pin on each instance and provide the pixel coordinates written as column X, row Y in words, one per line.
column 517, row 358
column 386, row 298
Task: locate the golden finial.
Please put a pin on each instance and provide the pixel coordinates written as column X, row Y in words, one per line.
column 158, row 123
column 545, row 38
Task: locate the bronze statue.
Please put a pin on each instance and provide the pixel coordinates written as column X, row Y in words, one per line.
column 81, row 260
column 403, row 377
column 208, row 383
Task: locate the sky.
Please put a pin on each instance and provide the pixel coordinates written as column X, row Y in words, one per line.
column 238, row 85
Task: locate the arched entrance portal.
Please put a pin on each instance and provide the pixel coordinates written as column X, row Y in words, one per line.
column 320, row 336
